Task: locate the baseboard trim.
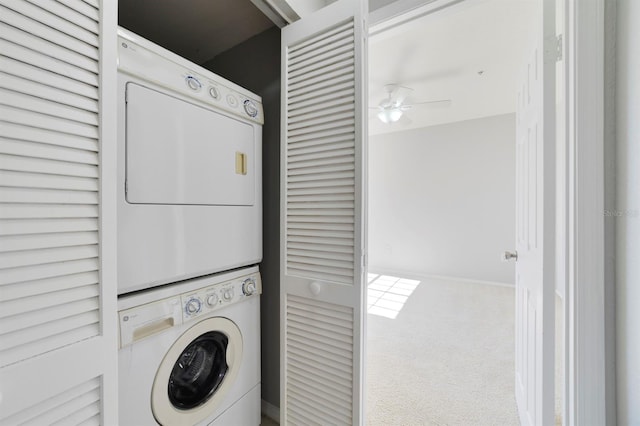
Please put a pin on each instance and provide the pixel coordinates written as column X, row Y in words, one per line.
column 271, row 411
column 422, row 276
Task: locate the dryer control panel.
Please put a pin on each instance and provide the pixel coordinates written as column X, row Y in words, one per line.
column 154, row 316
column 140, row 57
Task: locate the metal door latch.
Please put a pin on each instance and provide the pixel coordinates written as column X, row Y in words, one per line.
column 508, row 255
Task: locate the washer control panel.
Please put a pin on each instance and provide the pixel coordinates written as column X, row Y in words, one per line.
column 208, row 299
column 149, row 313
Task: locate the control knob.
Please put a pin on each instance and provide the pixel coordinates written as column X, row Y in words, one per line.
column 212, row 299
column 250, row 108
column 249, row 286
column 232, row 101
column 227, row 294
column 193, row 83
column 193, row 306
column 215, row 94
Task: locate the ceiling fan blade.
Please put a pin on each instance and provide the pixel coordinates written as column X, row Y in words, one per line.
column 445, row 103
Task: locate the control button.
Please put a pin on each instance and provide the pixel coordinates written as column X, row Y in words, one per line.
column 227, row 294
column 232, row 101
column 212, row 299
column 215, row 93
column 193, row 306
column 250, row 108
column 249, row 286
column 193, row 83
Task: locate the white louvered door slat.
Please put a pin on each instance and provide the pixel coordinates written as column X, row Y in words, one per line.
column 40, row 165
column 13, row 33
column 322, row 214
column 89, row 23
column 325, row 107
column 34, row 180
column 48, row 410
column 339, row 90
column 43, row 106
column 34, row 288
column 43, row 121
column 12, row 50
column 44, row 23
column 45, row 91
column 58, row 335
column 38, row 150
column 33, row 73
column 82, row 8
column 38, row 226
column 33, row 134
column 23, row 275
column 94, row 3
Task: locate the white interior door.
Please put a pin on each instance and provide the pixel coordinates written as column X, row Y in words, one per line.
column 58, row 347
column 322, row 272
column 535, row 226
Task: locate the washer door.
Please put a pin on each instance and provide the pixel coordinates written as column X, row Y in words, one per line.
column 196, row 373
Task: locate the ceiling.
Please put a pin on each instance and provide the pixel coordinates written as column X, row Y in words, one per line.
column 470, row 53
column 195, row 29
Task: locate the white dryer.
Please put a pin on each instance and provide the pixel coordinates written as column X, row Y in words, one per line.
column 189, row 169
column 190, row 352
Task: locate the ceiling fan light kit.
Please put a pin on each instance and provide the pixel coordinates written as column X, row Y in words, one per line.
column 390, row 115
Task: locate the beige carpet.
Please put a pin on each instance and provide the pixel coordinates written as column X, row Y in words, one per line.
column 446, row 359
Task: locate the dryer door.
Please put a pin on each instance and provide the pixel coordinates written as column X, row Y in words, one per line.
column 198, row 370
column 180, row 153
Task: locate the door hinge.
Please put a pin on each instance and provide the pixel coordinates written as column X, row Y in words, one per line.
column 559, row 47
column 126, row 188
column 364, row 260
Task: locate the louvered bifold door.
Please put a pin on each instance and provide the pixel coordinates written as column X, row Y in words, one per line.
column 57, row 292
column 323, row 134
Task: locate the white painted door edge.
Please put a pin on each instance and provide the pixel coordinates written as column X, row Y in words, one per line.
column 585, row 375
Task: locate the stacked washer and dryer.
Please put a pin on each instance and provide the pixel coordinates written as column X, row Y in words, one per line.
column 189, row 237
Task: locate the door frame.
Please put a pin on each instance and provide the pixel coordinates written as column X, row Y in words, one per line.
column 586, row 365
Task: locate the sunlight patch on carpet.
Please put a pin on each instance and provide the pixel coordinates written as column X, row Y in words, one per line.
column 386, row 295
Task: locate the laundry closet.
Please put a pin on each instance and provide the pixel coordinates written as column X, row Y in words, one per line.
column 112, row 240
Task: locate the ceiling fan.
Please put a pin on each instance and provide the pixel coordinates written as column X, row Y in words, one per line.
column 393, row 107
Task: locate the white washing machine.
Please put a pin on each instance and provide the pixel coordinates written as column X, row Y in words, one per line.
column 189, row 169
column 190, row 352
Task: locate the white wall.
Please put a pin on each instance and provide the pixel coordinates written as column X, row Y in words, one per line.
column 628, row 212
column 442, row 199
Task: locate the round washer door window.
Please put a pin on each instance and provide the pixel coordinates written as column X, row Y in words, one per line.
column 199, row 370
column 196, row 372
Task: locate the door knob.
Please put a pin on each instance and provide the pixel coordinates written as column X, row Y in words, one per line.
column 315, row 288
column 508, row 255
